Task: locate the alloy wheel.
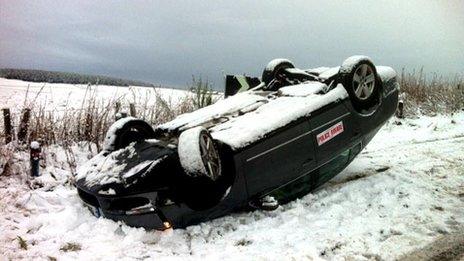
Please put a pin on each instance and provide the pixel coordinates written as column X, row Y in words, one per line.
column 363, row 81
column 210, row 156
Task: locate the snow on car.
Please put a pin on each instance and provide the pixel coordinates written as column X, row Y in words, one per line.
column 272, row 143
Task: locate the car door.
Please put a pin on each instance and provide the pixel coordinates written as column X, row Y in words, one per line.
column 278, row 159
column 334, row 130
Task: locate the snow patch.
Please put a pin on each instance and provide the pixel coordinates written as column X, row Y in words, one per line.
column 329, row 73
column 318, row 70
column 110, row 137
column 118, row 166
column 189, row 151
column 386, row 73
column 35, row 145
column 227, row 106
column 351, row 62
column 131, row 172
column 104, row 169
column 243, row 130
column 272, row 64
column 304, row 89
column 101, row 169
column 109, row 191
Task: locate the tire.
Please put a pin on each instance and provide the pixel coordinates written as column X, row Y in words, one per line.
column 198, row 154
column 360, row 79
column 125, row 131
column 273, row 68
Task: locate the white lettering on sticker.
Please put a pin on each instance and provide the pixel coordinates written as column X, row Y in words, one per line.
column 328, row 134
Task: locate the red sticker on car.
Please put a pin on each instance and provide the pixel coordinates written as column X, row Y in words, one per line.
column 328, row 134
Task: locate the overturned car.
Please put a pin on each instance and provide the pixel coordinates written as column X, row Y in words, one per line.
column 279, row 138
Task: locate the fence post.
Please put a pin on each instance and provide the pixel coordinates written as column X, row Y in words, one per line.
column 133, row 112
column 117, row 107
column 400, row 109
column 24, row 125
column 35, row 158
column 7, row 125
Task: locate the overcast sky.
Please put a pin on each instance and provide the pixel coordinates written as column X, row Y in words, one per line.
column 169, row 41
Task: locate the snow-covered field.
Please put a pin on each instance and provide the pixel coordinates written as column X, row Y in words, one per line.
column 401, row 193
column 14, row 94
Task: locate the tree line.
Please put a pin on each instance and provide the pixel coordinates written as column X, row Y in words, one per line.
column 65, row 77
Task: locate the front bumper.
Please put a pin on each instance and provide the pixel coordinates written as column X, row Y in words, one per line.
column 137, row 210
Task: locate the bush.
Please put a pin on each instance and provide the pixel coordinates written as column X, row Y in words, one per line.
column 203, row 92
column 431, row 96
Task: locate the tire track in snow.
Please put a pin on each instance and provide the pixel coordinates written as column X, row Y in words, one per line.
column 414, row 142
column 393, row 150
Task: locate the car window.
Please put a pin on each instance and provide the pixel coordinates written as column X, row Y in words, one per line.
column 316, row 178
column 355, row 150
column 335, row 165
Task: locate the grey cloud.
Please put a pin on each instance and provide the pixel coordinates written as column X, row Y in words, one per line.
column 168, row 41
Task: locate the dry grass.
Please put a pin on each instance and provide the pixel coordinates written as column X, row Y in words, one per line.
column 6, row 152
column 431, row 94
column 71, row 247
column 91, row 121
column 22, row 242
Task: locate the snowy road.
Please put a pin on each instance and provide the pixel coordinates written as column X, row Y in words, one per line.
column 400, row 194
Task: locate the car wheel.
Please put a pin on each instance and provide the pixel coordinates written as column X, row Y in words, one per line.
column 359, row 77
column 198, row 154
column 125, row 131
column 273, row 68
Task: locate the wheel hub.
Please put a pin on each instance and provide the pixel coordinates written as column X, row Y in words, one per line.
column 363, row 82
column 210, row 156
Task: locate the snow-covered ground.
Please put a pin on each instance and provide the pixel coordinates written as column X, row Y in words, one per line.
column 15, row 94
column 401, row 193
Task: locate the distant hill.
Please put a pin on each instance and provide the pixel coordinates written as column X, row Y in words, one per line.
column 65, row 77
